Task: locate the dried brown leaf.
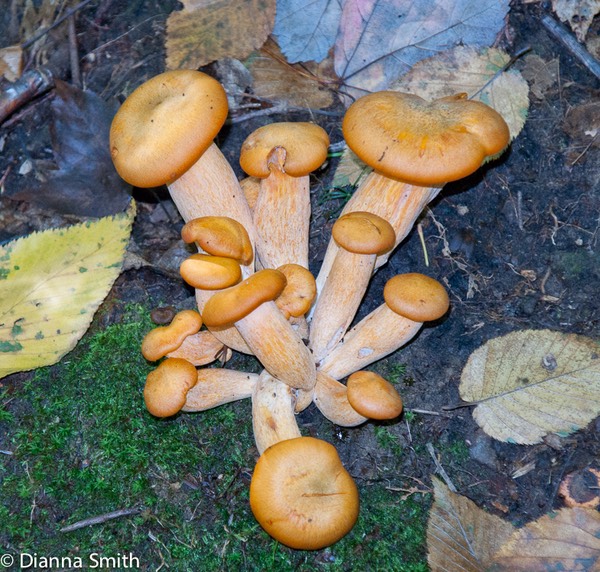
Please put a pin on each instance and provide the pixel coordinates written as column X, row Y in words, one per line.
column 566, row 540
column 11, row 62
column 296, row 84
column 461, row 536
column 578, row 13
column 208, row 30
column 541, row 74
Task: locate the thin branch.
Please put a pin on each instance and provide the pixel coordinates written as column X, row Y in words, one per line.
column 103, row 518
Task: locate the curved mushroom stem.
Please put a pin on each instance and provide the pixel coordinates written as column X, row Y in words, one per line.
column 375, row 336
column 278, row 347
column 282, row 215
column 201, row 349
column 217, row 386
column 397, row 202
column 338, row 302
column 331, row 398
column 273, row 416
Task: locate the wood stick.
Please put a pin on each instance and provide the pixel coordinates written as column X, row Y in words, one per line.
column 103, row 518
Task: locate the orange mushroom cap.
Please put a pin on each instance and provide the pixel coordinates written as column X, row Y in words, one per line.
column 302, row 495
column 299, row 292
column 305, row 147
column 232, row 304
column 220, row 236
column 162, row 340
column 416, row 297
column 364, row 233
column 165, row 126
column 373, row 396
column 404, row 137
column 208, row 272
column 167, row 386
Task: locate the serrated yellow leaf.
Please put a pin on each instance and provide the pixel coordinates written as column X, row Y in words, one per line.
column 531, row 383
column 51, row 283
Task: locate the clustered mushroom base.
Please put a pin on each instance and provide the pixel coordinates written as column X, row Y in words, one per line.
column 256, row 295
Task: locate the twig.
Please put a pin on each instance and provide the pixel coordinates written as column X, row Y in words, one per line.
column 423, row 245
column 30, row 85
column 102, row 518
column 440, row 469
column 281, row 107
column 2, row 452
column 576, row 49
column 73, row 55
column 427, row 412
column 57, row 22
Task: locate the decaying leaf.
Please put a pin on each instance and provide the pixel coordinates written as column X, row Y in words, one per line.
column 208, row 30
column 11, row 62
column 533, row 382
column 85, row 182
column 298, row 85
column 565, row 540
column 350, row 170
column 462, row 69
column 306, row 30
column 540, row 74
column 413, row 30
column 578, row 13
column 52, row 283
column 461, row 536
column 582, row 124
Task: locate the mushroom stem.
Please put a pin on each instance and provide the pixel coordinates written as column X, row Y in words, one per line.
column 201, row 349
column 273, row 416
column 217, row 386
column 374, row 337
column 282, row 216
column 339, row 300
column 331, row 398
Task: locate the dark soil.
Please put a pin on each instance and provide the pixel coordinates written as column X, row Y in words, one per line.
column 517, row 245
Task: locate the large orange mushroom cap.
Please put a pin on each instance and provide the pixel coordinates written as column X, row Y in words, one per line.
column 165, row 126
column 404, row 137
column 302, row 495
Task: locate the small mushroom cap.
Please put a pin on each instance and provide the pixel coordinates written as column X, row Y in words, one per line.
column 165, row 126
column 404, row 137
column 167, row 386
column 220, row 236
column 373, row 396
column 302, row 495
column 364, row 233
column 210, row 272
column 416, row 297
column 299, row 292
column 581, row 488
column 232, row 304
column 305, row 145
column 162, row 340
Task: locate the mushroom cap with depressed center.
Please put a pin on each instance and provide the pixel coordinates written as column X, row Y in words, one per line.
column 165, row 125
column 220, row 236
column 299, row 292
column 305, row 147
column 232, row 304
column 373, row 396
column 404, row 137
column 302, row 495
column 162, row 340
column 363, row 232
column 167, row 386
column 207, row 272
column 416, row 297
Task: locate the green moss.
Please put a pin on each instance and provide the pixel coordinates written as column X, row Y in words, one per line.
column 83, row 445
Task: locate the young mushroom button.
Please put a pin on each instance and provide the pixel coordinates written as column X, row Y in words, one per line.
column 167, row 386
column 282, row 155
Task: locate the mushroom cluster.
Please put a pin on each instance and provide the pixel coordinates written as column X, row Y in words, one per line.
column 254, row 291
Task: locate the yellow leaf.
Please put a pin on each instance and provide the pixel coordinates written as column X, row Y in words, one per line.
column 51, row 284
column 531, row 383
column 460, row 535
column 566, row 540
column 208, row 30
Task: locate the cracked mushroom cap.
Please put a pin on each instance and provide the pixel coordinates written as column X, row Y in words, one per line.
column 364, row 233
column 302, row 495
column 220, row 236
column 416, row 297
column 167, row 386
column 162, row 340
column 165, row 126
column 208, row 272
column 299, row 293
column 305, row 147
column 404, row 137
column 373, row 396
column 232, row 304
